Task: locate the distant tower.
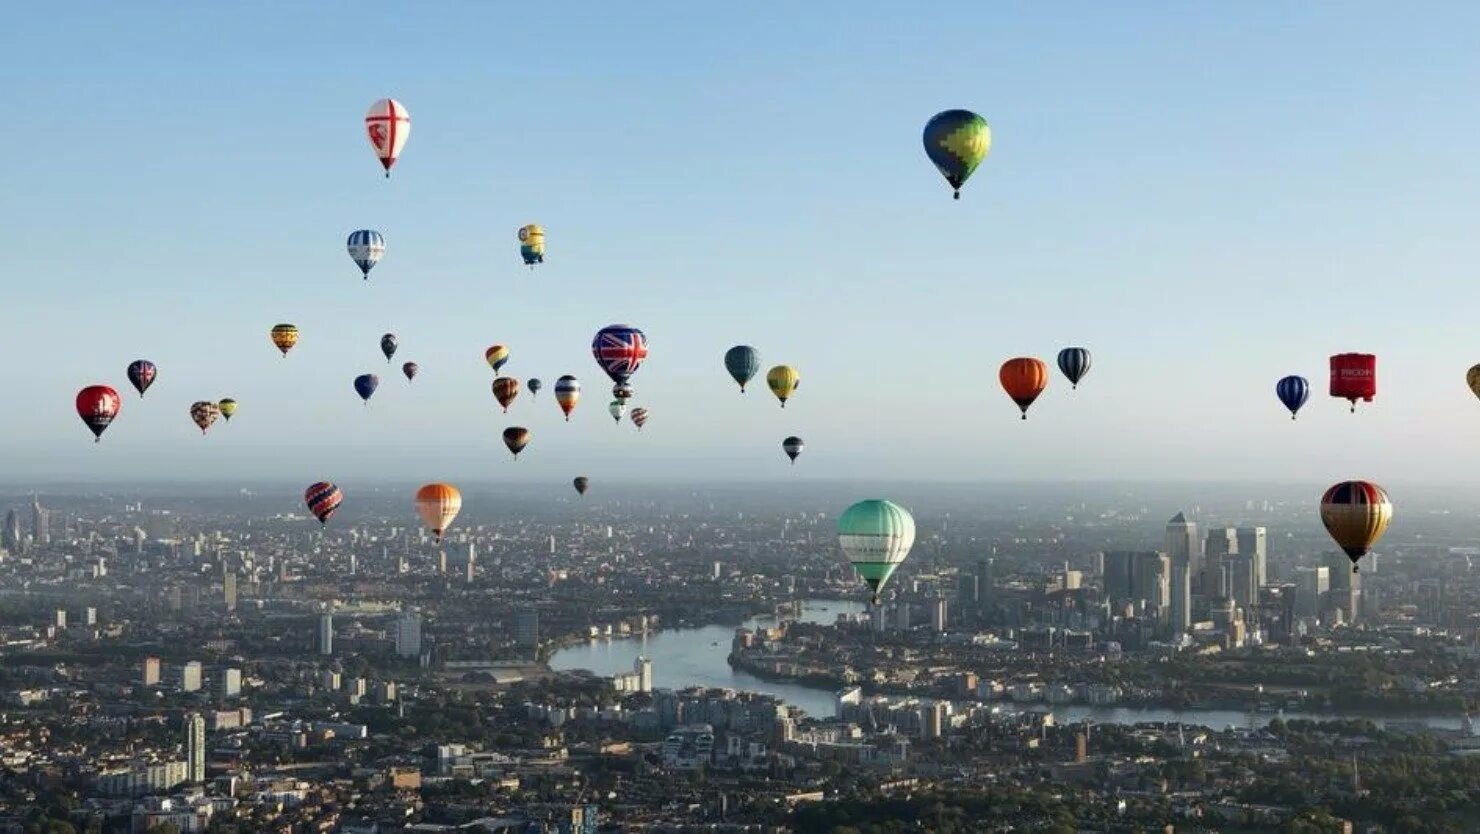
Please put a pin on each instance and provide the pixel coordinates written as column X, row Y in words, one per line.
column 195, row 747
column 40, row 522
column 472, row 561
column 1253, row 543
column 643, row 668
column 1182, row 544
column 326, row 633
column 527, row 627
column 228, row 590
column 11, row 536
column 408, row 634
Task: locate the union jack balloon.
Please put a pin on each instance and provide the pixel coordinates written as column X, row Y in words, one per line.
column 387, row 124
column 619, row 349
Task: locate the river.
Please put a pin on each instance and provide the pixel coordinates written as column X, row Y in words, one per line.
column 698, row 657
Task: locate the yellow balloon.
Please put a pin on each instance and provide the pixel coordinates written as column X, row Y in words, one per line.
column 783, row 380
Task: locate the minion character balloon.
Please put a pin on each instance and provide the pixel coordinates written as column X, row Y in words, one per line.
column 532, row 244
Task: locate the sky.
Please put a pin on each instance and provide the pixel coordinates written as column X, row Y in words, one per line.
column 1207, row 196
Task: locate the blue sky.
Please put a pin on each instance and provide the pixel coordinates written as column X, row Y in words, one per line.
column 1207, row 196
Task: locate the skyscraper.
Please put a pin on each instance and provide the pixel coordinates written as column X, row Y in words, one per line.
column 231, row 683
column 228, row 590
column 149, row 674
column 190, row 676
column 1311, row 585
column 938, row 614
column 1345, row 587
column 408, row 634
column 1119, row 580
column 326, row 633
column 195, row 747
column 1143, row 576
column 11, row 536
column 1183, row 545
column 527, row 627
column 1252, row 542
column 643, row 668
column 40, row 522
column 1180, row 589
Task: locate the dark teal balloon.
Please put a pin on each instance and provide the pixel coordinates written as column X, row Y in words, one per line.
column 743, row 362
column 365, row 385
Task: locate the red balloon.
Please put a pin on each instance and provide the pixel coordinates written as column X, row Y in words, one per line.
column 1354, row 377
column 97, row 405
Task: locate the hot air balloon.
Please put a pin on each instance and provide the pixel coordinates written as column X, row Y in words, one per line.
column 957, row 141
column 496, row 355
column 623, row 391
column 505, row 389
column 876, row 535
column 410, row 369
column 1472, row 378
column 783, row 380
column 516, row 438
column 365, row 385
column 141, row 373
column 388, row 345
column 387, row 124
column 366, row 248
column 1293, row 391
column 581, row 483
column 438, row 504
column 1356, row 514
column 534, row 386
column 619, row 349
column 617, row 409
column 1354, row 377
column 1023, row 378
column 204, row 414
column 323, row 500
column 567, row 394
column 285, row 336
column 1074, row 362
column 743, row 362
column 532, row 244
column 639, row 417
column 97, row 405
column 792, row 446
column 227, row 407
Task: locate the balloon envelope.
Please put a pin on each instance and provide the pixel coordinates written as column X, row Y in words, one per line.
column 743, row 362
column 783, row 380
column 617, row 409
column 534, row 386
column 365, row 385
column 438, row 504
column 227, row 407
column 1356, row 514
column 388, row 345
column 957, row 141
column 1074, row 362
column 516, row 438
column 204, row 414
column 581, row 483
column 792, row 446
column 141, row 373
column 1293, row 391
column 366, row 247
column 323, row 500
column 410, row 369
column 505, row 389
column 532, row 244
column 1023, row 378
column 496, row 355
column 639, row 417
column 1472, row 378
column 567, row 394
column 97, row 405
column 285, row 336
column 619, row 349
column 1354, row 377
column 877, row 536
column 387, row 125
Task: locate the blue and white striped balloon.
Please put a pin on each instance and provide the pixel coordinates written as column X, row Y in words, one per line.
column 1293, row 391
column 366, row 247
